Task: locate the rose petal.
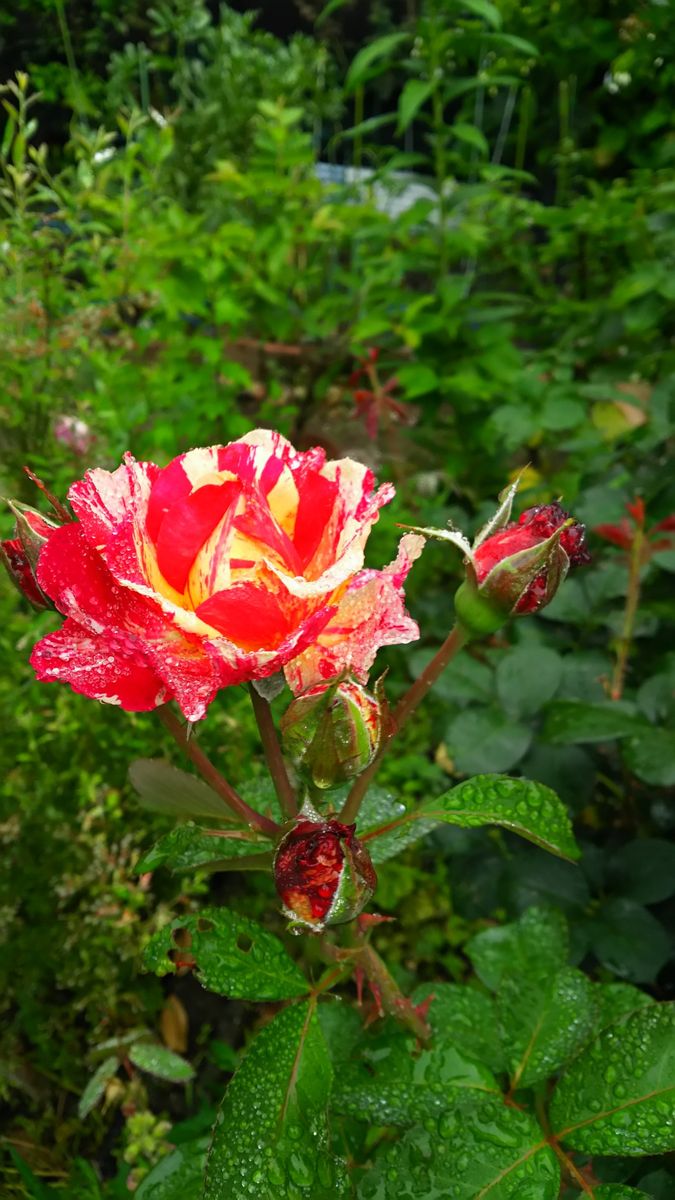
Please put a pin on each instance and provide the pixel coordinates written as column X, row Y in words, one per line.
column 370, row 614
column 104, row 666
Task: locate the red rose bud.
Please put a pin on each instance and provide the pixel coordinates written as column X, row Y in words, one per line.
column 20, row 554
column 332, row 732
column 519, row 568
column 322, row 873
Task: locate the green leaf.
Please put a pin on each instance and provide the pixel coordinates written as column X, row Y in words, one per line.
column 527, row 678
column 484, row 1148
column 270, row 1138
column 160, row 1061
column 165, row 788
column 537, row 942
column 361, row 68
column 379, row 810
column 483, row 8
column 618, row 1097
column 521, row 805
column 527, row 808
column 188, row 847
column 544, row 1020
column 414, row 94
column 614, row 1000
column 233, row 956
column 178, row 1176
column 618, row 1191
column 94, row 1090
column 465, row 1017
column 629, row 941
column 651, row 756
column 643, row 870
column 391, row 1085
column 416, row 379
column 486, row 739
column 572, row 721
column 471, row 136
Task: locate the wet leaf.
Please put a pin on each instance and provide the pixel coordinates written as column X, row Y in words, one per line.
column 232, row 955
column 572, row 721
column 544, row 1020
column 178, row 1176
column 618, row 1097
column 95, row 1089
column 485, row 1149
column 160, row 1061
column 536, row 943
column 521, row 805
column 188, row 848
column 271, row 1138
column 464, row 1017
column 393, row 1085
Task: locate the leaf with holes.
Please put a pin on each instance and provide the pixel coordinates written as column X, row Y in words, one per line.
column 271, row 1135
column 231, row 954
column 618, row 1096
column 188, row 848
column 521, row 805
column 158, row 1060
column 484, row 1148
column 95, row 1089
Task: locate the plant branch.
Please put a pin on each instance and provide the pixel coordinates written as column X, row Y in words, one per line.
column 273, row 756
column 404, row 709
column 213, row 777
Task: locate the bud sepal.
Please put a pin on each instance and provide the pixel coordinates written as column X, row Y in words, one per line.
column 332, row 732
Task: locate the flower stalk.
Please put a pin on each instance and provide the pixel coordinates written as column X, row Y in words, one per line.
column 215, row 780
column 273, row 755
column 404, row 709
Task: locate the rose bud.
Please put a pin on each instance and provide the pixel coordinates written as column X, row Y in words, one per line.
column 20, row 554
column 518, row 568
column 332, row 731
column 322, row 873
column 513, row 567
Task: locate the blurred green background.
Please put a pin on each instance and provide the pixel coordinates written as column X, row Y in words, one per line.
column 439, row 237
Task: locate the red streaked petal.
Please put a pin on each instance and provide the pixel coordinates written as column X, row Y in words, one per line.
column 105, row 666
column 258, row 524
column 315, row 505
column 248, row 615
column 171, row 485
column 187, row 525
column 103, row 499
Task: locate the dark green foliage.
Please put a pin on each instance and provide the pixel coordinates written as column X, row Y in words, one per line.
column 175, row 274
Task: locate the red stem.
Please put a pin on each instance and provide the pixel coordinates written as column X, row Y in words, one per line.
column 404, row 709
column 213, row 777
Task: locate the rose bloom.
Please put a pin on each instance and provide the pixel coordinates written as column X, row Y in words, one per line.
column 225, row 566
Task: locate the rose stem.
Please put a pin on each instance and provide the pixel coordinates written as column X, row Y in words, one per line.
column 630, row 612
column 213, row 777
column 404, row 709
column 273, row 755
